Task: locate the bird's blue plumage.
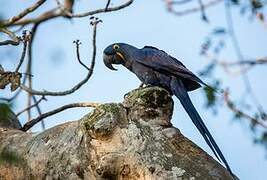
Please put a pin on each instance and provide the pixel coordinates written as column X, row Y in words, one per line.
column 179, row 91
column 155, row 67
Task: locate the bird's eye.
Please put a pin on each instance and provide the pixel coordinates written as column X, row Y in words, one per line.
column 116, row 46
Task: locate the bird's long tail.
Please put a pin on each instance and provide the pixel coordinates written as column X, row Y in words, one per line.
column 180, row 92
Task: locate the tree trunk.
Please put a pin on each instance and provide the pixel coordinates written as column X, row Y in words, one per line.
column 130, row 140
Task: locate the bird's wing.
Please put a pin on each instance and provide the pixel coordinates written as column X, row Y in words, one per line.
column 162, row 62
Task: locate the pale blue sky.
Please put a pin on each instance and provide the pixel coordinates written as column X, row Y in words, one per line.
column 147, row 23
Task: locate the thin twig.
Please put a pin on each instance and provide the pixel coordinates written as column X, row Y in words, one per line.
column 19, row 29
column 54, row 13
column 14, row 39
column 229, row 20
column 257, row 61
column 67, row 8
column 116, row 8
column 9, row 42
column 31, row 106
column 77, row 86
column 195, row 9
column 68, row 5
column 244, row 65
column 180, row 2
column 107, row 5
column 25, row 43
column 241, row 113
column 34, row 121
column 51, row 14
column 39, row 111
column 202, row 10
column 78, row 43
column 29, row 67
column 22, row 14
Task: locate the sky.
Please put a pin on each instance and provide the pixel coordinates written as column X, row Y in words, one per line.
column 55, row 68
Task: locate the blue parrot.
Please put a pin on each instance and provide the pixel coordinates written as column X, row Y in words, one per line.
column 155, row 67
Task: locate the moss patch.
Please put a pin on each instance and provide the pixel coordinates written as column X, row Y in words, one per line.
column 101, row 123
column 4, row 112
column 11, row 157
column 101, row 111
column 149, row 97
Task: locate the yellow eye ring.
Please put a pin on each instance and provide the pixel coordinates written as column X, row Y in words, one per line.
column 116, row 46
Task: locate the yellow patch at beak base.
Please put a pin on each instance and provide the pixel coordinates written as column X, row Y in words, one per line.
column 121, row 56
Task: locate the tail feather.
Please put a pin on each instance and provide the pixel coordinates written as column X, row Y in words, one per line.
column 179, row 90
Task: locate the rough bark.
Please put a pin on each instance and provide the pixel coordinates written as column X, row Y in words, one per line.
column 130, row 140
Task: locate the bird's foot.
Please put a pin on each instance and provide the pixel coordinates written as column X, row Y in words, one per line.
column 145, row 85
column 141, row 85
column 125, row 95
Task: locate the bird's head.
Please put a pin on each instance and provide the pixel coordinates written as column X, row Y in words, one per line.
column 117, row 53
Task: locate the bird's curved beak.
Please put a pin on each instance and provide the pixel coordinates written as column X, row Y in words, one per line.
column 109, row 60
column 113, row 58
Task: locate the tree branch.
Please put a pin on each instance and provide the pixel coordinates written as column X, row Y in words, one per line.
column 39, row 111
column 54, row 13
column 78, row 43
column 31, row 106
column 194, row 9
column 14, row 39
column 107, row 5
column 116, row 8
column 247, row 84
column 25, row 38
column 23, row 13
column 231, row 106
column 29, row 68
column 31, row 123
column 257, row 61
column 80, row 84
column 244, row 65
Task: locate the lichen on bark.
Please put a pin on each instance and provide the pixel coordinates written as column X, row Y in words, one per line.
column 130, row 140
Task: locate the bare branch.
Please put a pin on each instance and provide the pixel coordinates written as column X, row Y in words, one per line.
column 195, row 9
column 68, row 5
column 247, row 84
column 29, row 67
column 202, row 9
column 107, row 5
column 14, row 39
column 39, row 111
column 41, row 18
column 78, row 43
column 243, row 66
column 22, row 14
column 76, row 87
column 25, row 38
column 31, row 123
column 231, row 106
column 9, row 42
column 20, row 28
column 180, row 2
column 54, row 13
column 31, row 106
column 116, row 8
column 67, row 8
column 257, row 61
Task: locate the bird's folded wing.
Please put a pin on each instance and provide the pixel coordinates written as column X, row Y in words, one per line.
column 162, row 62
